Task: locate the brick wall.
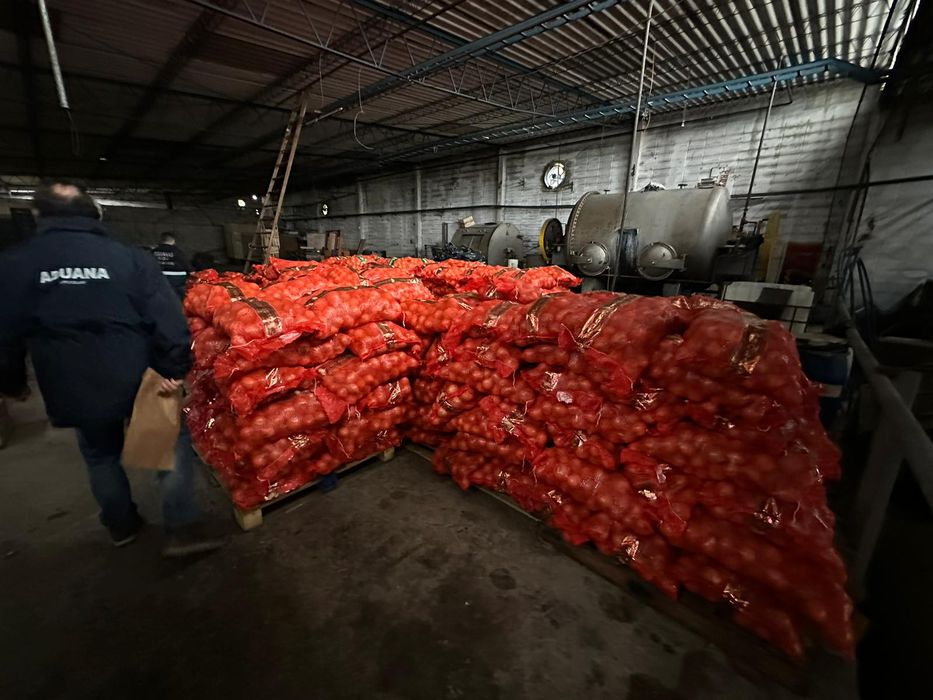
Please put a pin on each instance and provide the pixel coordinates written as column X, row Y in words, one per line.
column 802, row 150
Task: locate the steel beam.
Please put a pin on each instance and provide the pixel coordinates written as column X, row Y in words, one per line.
column 133, row 171
column 410, row 130
column 831, row 66
column 165, row 90
column 581, row 8
column 457, row 41
column 133, row 141
column 590, row 117
column 363, row 129
column 550, row 19
column 425, row 146
column 183, row 52
column 347, row 42
column 556, row 17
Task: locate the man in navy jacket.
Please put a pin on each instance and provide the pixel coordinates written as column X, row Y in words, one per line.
column 93, row 314
column 174, row 263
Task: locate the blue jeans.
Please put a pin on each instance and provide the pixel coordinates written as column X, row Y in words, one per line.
column 101, row 448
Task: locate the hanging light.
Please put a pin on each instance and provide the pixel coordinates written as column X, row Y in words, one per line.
column 241, row 203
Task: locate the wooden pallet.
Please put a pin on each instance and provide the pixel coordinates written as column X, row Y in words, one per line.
column 250, row 519
column 751, row 656
column 748, row 654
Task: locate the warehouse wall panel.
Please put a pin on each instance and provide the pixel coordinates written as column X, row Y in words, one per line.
column 394, row 234
column 302, row 212
column 897, row 220
column 196, row 230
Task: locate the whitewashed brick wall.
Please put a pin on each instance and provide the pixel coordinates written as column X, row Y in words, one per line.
column 802, row 150
column 305, row 206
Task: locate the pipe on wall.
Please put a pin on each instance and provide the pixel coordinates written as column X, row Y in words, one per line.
column 438, row 210
column 843, row 188
column 632, row 180
column 551, row 207
column 761, row 143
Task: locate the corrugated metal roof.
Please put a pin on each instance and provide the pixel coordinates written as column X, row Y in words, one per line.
column 252, row 45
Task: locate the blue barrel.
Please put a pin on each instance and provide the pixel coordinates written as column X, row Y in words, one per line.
column 830, row 366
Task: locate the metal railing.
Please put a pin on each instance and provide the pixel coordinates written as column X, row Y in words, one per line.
column 898, row 438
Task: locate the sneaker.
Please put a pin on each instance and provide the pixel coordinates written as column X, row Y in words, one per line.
column 194, row 539
column 124, row 535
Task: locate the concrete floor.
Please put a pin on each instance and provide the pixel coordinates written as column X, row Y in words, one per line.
column 395, row 585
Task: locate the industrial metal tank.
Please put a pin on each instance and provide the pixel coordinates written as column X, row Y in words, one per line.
column 498, row 242
column 678, row 233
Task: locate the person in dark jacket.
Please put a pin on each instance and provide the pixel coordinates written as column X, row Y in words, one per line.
column 174, row 263
column 93, row 314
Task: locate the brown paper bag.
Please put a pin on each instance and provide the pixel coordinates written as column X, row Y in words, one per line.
column 153, row 429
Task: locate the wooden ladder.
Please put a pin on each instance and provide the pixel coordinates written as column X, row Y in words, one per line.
column 265, row 241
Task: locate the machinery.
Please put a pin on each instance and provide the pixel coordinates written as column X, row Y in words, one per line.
column 551, row 243
column 668, row 235
column 496, row 242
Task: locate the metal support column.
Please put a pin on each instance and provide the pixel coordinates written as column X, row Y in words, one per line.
column 361, row 209
column 500, row 187
column 419, row 233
